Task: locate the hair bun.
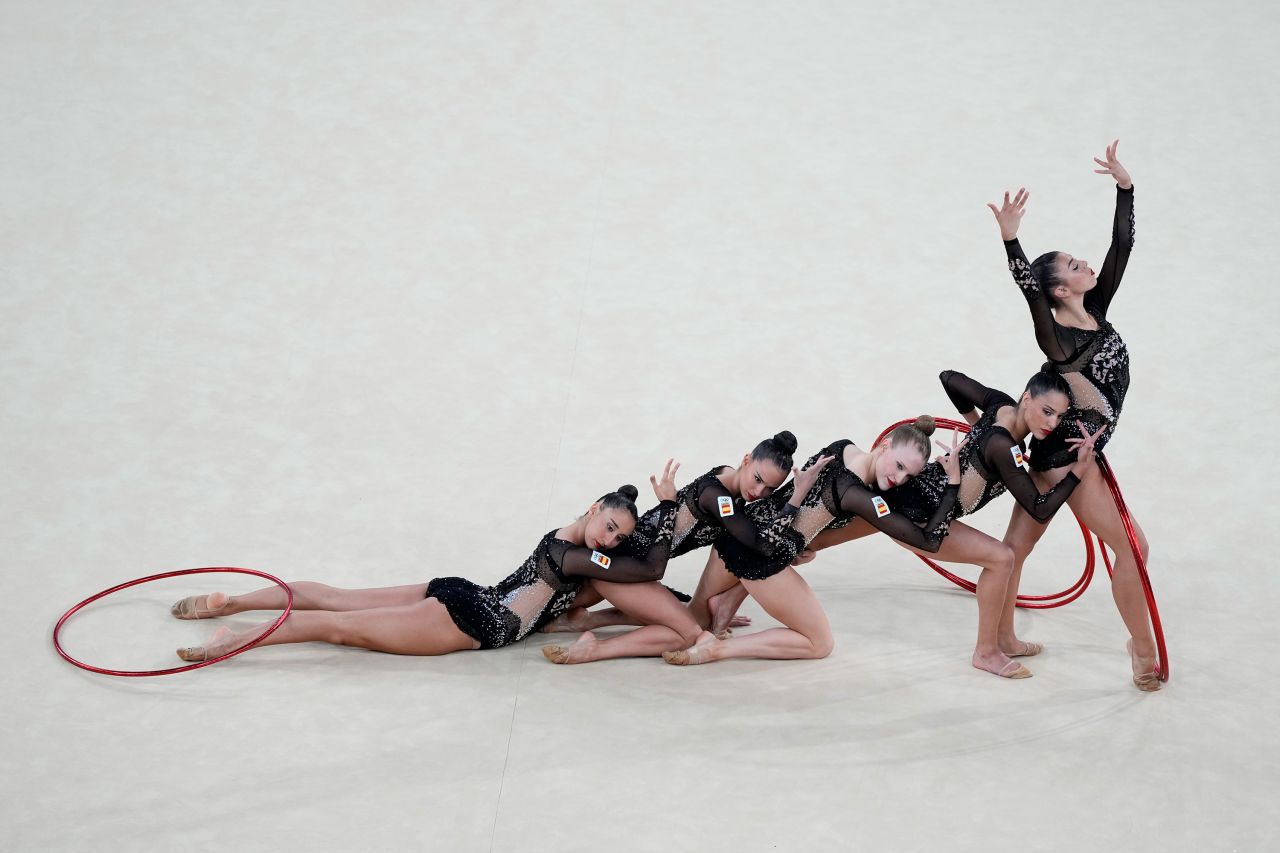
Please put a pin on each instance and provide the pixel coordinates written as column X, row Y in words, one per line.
column 926, row 424
column 629, row 492
column 786, row 442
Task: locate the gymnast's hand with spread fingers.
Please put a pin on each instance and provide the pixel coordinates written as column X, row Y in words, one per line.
column 1009, row 215
column 804, row 479
column 950, row 458
column 665, row 488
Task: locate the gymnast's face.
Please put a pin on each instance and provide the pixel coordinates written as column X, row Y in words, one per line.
column 758, row 478
column 1075, row 275
column 1043, row 413
column 606, row 528
column 897, row 464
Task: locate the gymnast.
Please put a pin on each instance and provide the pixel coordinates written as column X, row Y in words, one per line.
column 453, row 614
column 1069, row 306
column 759, row 474
column 991, row 461
column 710, row 507
column 849, row 485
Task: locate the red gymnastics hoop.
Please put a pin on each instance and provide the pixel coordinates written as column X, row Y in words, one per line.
column 1162, row 664
column 1027, row 602
column 1041, row 602
column 146, row 672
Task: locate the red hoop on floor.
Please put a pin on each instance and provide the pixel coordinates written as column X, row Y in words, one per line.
column 1071, row 593
column 145, row 672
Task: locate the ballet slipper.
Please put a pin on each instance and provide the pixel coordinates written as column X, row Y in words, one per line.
column 556, row 654
column 581, row 650
column 991, row 663
column 724, row 634
column 1147, row 682
column 1013, row 669
column 196, row 654
column 689, row 657
column 193, row 654
column 198, row 606
column 1029, row 650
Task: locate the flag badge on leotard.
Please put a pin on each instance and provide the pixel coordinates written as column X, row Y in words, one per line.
column 601, row 560
column 726, row 506
column 882, row 508
column 1018, row 458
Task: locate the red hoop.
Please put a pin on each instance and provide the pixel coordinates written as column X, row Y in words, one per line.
column 1027, row 602
column 145, row 672
column 1162, row 665
column 1070, row 594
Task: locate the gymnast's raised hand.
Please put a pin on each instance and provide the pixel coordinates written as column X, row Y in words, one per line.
column 1009, row 215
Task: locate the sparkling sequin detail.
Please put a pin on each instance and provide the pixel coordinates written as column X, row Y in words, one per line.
column 694, row 528
column 531, row 596
column 1098, row 373
column 920, row 496
column 1022, row 276
column 1095, row 362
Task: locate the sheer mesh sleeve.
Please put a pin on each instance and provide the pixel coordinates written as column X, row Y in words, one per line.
column 619, row 566
column 856, row 498
column 968, row 393
column 1122, row 232
column 998, row 453
column 1051, row 345
column 763, row 538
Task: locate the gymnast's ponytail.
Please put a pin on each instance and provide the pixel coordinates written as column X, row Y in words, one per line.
column 777, row 450
column 914, row 434
column 1046, row 381
column 1045, row 269
column 624, row 499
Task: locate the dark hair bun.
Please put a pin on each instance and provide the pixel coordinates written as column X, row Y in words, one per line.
column 786, row 442
column 629, row 492
column 1046, row 381
column 926, row 424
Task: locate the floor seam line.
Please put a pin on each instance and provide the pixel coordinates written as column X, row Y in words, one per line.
column 564, row 419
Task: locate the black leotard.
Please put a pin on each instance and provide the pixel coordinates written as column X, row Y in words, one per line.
column 545, row 584
column 1095, row 363
column 991, row 462
column 706, row 512
column 838, row 495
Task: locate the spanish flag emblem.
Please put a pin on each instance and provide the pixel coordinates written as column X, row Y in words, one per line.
column 882, row 507
column 601, row 560
column 726, row 506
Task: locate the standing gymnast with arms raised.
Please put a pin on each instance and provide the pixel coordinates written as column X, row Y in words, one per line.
column 454, row 614
column 1069, row 306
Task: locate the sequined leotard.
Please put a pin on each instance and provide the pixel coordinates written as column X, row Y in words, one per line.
column 707, row 512
column 838, row 496
column 545, row 584
column 1095, row 363
column 991, row 462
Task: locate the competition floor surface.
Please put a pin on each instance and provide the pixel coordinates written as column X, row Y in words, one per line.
column 374, row 294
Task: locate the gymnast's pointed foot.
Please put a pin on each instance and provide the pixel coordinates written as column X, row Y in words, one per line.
column 222, row 641
column 1000, row 664
column 1145, row 677
column 702, row 651
column 572, row 621
column 582, row 651
column 200, row 606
